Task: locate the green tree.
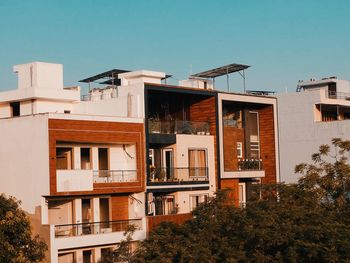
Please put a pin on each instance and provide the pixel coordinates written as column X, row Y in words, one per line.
column 123, row 251
column 16, row 241
column 304, row 222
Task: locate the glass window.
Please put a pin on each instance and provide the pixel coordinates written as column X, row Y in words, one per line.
column 197, row 162
column 195, row 200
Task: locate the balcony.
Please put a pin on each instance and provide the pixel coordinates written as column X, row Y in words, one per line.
column 178, row 176
column 83, row 180
column 74, row 180
column 74, row 230
column 156, row 126
column 338, row 95
column 115, row 176
column 247, row 168
column 63, row 237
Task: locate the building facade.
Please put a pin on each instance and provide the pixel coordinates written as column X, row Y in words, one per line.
column 134, row 151
column 312, row 116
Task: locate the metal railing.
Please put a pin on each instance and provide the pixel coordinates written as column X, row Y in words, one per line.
column 250, row 164
column 180, row 127
column 114, row 176
column 178, row 175
column 338, row 95
column 90, row 228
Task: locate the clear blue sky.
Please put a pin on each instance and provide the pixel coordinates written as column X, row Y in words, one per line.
column 283, row 41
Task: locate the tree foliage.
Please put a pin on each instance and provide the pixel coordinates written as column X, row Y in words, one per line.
column 16, row 241
column 304, row 222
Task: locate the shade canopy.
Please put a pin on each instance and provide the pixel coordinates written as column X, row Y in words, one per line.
column 110, row 74
column 224, row 70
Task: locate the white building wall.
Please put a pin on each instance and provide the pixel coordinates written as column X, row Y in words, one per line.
column 116, row 106
column 5, row 110
column 184, row 143
column 25, row 178
column 300, row 135
column 119, row 159
column 44, row 106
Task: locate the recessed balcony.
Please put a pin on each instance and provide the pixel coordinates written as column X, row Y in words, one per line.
column 74, row 180
column 73, row 230
column 115, row 176
column 156, row 126
column 178, row 176
column 247, row 168
column 84, row 180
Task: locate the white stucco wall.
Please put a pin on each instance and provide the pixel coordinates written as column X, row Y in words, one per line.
column 24, row 155
column 185, row 142
column 299, row 134
column 5, row 110
column 115, row 106
column 119, row 159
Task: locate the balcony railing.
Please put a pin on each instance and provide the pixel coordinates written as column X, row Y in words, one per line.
column 180, row 127
column 114, row 176
column 250, row 164
column 179, row 175
column 338, row 95
column 71, row 230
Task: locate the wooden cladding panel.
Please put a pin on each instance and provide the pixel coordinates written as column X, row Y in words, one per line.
column 267, row 143
column 231, row 185
column 153, row 221
column 205, row 111
column 120, row 207
column 98, row 132
column 231, row 137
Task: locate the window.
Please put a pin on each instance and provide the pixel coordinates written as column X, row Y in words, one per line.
column 103, row 162
column 85, row 158
column 64, row 158
column 165, row 205
column 15, row 109
column 195, row 200
column 197, row 162
column 239, row 150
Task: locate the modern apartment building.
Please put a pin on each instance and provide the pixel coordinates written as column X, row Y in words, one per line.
column 318, row 112
column 134, row 151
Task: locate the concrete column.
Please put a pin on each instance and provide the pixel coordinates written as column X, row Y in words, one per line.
column 94, row 152
column 44, row 211
column 78, row 215
column 96, row 213
column 79, row 256
column 97, row 254
column 76, row 158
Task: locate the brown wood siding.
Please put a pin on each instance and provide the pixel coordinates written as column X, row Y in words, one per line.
column 232, row 186
column 98, row 132
column 231, row 137
column 120, row 207
column 267, row 143
column 204, row 111
column 153, row 221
